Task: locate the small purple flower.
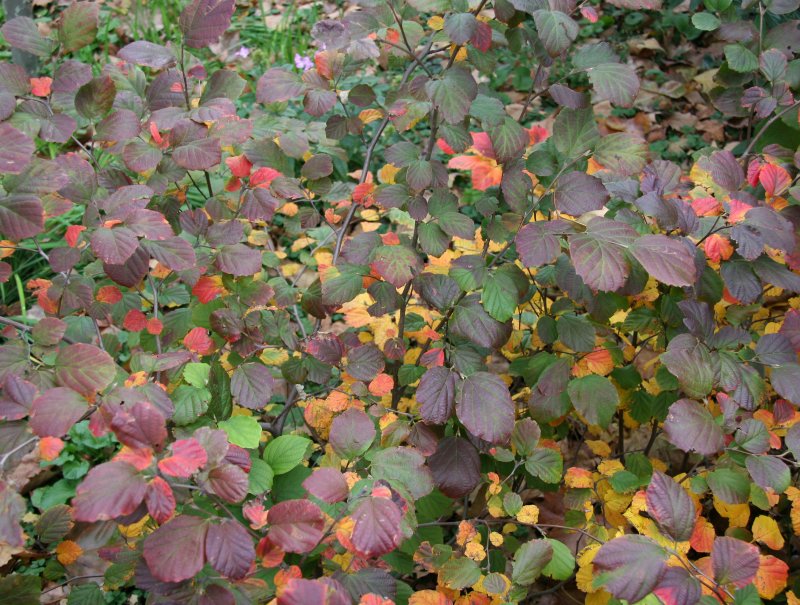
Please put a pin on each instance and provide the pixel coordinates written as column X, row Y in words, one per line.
column 242, row 53
column 303, row 62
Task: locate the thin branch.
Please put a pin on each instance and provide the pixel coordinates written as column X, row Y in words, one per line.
column 764, row 128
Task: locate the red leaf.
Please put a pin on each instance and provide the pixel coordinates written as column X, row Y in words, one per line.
column 482, row 36
column 774, row 179
column 160, row 500
column 207, row 289
column 296, row 525
column 198, row 341
column 135, row 321
column 239, row 165
column 229, row 482
column 187, row 458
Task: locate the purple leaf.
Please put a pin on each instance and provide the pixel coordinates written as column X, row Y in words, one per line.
column 22, row 33
column 84, row 368
column 484, row 405
column 55, row 411
column 175, row 253
column 456, row 467
column 630, row 566
column 691, row 427
column 578, row 193
column 278, row 85
column 176, row 550
column 21, row 215
column 251, row 385
column 671, row 507
column 204, row 21
column 677, row 586
column 110, row 490
column 148, row 54
column 734, row 561
column 239, row 260
column 436, row 394
column 327, row 484
column 199, row 154
column 377, row 527
column 229, row 549
column 114, row 246
column 17, row 150
column 351, row 434
column 667, row 259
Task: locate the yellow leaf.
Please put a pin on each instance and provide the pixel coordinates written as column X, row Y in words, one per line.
column 599, row 448
column 766, row 531
column 528, row 514
column 738, row 515
column 370, row 115
column 436, row 23
column 387, row 173
column 475, row 551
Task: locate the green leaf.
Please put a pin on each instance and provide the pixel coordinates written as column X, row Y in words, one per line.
column 615, row 82
column 285, row 452
column 729, row 486
column 595, row 397
column 530, row 560
column 562, row 564
column 740, row 59
column 77, row 26
column 196, row 374
column 576, row 332
column 705, row 21
column 460, row 27
column 458, row 573
column 622, row 153
column 575, row 132
column 260, row 477
column 86, row 594
column 396, row 264
column 509, row 140
column 556, row 30
column 500, row 297
column 453, row 94
column 243, row 431
column 546, row 464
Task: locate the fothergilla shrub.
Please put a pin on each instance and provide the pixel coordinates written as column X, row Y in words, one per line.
column 368, row 330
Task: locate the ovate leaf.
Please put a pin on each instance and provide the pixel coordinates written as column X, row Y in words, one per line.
column 629, row 567
column 484, row 405
column 204, row 21
column 595, row 398
column 671, row 507
column 667, row 259
column 615, row 82
column 176, row 550
column 691, row 427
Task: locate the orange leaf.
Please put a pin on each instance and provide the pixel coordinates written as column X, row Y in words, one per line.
column 381, row 385
column 771, row 577
column 68, row 552
column 41, row 86
column 737, row 210
column 154, row 326
column 73, row 232
column 706, row 206
column 718, row 247
column 429, row 597
column 50, row 448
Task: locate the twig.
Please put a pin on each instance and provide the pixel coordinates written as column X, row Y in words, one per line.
column 368, row 160
column 766, row 125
